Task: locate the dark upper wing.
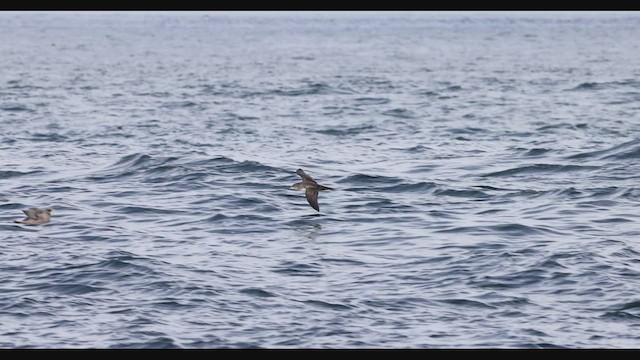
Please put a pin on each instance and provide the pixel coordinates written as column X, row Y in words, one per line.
column 304, row 176
column 312, row 197
column 31, row 213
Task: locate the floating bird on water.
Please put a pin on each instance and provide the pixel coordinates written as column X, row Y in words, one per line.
column 35, row 216
column 310, row 187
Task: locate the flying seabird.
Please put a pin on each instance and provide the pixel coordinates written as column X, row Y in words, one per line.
column 310, row 187
column 35, row 216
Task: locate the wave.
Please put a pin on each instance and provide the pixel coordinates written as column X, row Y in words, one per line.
column 308, row 89
column 182, row 105
column 146, row 210
column 67, row 289
column 466, row 193
column 239, row 218
column 510, row 229
column 255, row 292
column 167, row 169
column 371, row 101
column 400, row 113
column 467, row 303
column 347, row 131
column 537, row 152
column 16, row 108
column 580, row 126
column 364, row 179
column 327, row 305
column 418, row 149
column 539, row 168
column 9, row 174
column 248, row 166
column 419, row 187
column 130, row 165
column 627, row 150
column 377, row 184
column 53, row 137
column 291, row 268
column 590, row 86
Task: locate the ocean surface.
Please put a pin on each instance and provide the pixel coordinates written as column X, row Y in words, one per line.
column 486, row 169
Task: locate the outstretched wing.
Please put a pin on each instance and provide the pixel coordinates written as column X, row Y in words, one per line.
column 304, row 176
column 312, row 197
column 31, row 213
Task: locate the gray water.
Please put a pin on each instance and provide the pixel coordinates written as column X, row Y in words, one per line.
column 485, row 168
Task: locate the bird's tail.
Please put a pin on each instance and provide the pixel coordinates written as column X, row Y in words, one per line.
column 322, row 187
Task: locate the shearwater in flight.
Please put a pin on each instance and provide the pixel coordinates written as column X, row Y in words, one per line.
column 310, row 187
column 35, row 216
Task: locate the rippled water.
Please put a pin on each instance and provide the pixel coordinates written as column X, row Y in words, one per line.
column 486, row 170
